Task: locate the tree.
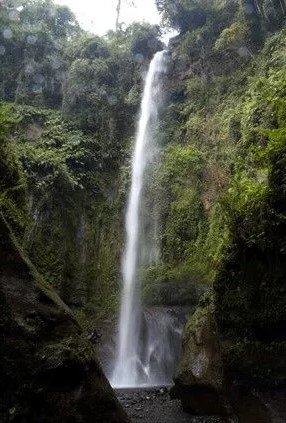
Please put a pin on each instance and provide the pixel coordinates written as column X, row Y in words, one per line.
column 33, row 64
column 274, row 12
column 118, row 12
column 118, row 9
column 144, row 40
column 11, row 50
column 263, row 14
column 232, row 38
column 103, row 83
column 252, row 17
column 57, row 20
column 183, row 15
column 97, row 83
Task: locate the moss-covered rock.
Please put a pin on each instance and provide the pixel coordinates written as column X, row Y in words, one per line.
column 199, row 377
column 49, row 371
column 242, row 244
column 244, row 336
column 203, row 383
column 201, row 360
column 75, row 198
column 250, row 295
column 172, row 285
column 78, row 251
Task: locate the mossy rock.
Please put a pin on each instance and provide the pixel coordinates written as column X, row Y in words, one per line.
column 173, row 294
column 254, row 363
column 199, row 377
column 49, row 371
column 204, row 383
column 171, row 285
column 201, row 357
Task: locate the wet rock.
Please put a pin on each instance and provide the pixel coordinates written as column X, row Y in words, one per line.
column 94, row 337
column 49, row 370
column 159, row 408
column 199, row 378
column 204, row 384
column 174, row 294
column 249, row 408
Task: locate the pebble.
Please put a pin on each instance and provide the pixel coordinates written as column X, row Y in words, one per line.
column 156, row 407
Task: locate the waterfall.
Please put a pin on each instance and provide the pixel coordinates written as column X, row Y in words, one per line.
column 131, row 368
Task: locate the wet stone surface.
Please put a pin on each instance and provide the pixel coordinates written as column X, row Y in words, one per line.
column 155, row 406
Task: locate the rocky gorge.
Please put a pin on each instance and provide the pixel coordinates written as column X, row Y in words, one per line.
column 219, row 190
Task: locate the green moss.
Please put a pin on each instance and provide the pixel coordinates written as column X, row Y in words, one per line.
column 79, row 253
column 45, row 358
column 75, row 234
column 164, row 284
column 255, row 362
column 12, row 181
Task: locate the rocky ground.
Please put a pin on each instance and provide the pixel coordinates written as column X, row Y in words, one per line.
column 155, row 406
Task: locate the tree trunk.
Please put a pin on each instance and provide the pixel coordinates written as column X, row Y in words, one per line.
column 118, row 9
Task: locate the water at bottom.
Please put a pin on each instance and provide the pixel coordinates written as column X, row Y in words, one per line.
column 159, row 350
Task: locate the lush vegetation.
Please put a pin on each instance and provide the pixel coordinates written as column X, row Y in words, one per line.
column 224, row 215
column 218, row 128
column 69, row 105
column 75, row 97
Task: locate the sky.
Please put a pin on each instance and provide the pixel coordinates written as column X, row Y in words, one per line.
column 98, row 16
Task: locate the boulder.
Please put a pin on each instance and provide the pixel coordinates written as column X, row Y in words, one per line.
column 49, row 370
column 199, row 377
column 174, row 293
column 204, row 383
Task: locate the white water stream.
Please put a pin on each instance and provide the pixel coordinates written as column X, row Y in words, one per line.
column 131, row 368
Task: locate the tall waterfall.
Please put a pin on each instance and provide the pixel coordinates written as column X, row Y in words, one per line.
column 130, row 370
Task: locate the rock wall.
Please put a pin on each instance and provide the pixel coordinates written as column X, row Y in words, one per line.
column 75, row 241
column 204, row 384
column 234, row 346
column 49, row 370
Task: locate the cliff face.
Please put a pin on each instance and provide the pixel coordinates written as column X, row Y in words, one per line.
column 75, row 199
column 49, row 370
column 238, row 332
column 219, row 189
column 75, row 241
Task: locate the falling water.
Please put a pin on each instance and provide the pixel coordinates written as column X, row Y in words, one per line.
column 127, row 366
